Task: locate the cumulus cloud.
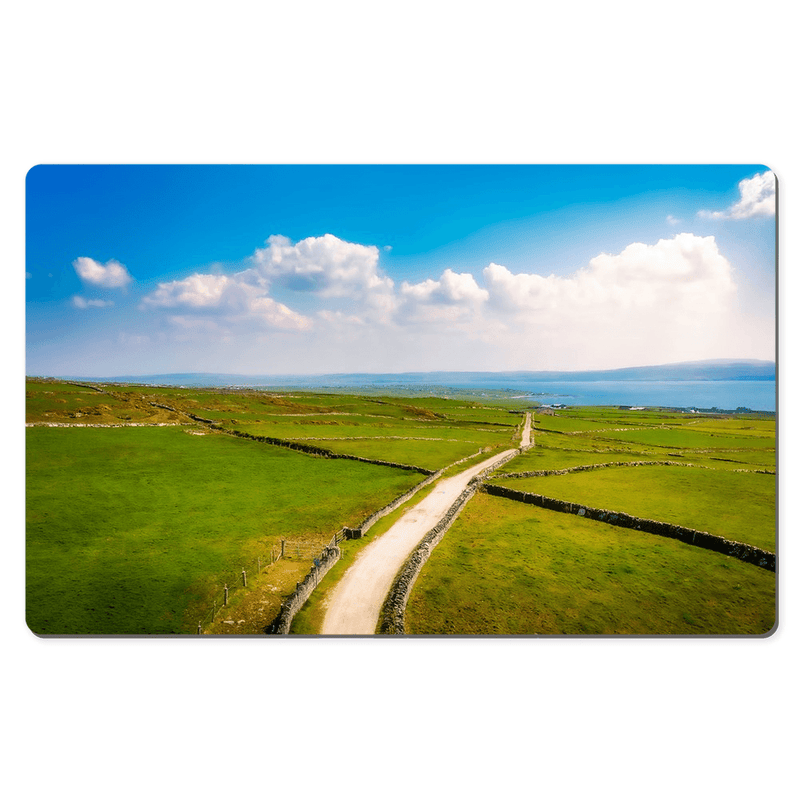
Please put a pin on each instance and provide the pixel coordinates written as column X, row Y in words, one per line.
column 82, row 302
column 455, row 296
column 111, row 275
column 196, row 291
column 325, row 265
column 233, row 297
column 686, row 271
column 669, row 301
column 756, row 199
column 673, row 300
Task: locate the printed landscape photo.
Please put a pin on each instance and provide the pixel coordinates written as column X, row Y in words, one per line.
column 401, row 400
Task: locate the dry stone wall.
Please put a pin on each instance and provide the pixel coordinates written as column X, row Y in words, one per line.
column 283, row 622
column 393, row 611
column 744, row 552
column 321, row 451
column 541, row 473
column 299, row 446
column 289, row 608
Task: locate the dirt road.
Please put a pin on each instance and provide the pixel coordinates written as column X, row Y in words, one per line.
column 355, row 604
column 526, row 431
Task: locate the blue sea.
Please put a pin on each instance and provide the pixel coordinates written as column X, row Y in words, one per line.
column 753, row 393
column 727, row 395
column 756, row 395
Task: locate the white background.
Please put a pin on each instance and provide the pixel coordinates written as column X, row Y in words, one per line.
column 179, row 82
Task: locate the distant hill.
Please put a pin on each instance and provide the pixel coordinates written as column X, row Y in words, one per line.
column 714, row 370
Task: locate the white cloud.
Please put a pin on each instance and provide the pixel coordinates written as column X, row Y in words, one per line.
column 455, row 296
column 686, row 269
column 111, row 275
column 233, row 297
column 453, row 288
column 756, row 198
column 82, row 302
column 196, row 291
column 329, row 268
column 671, row 301
column 650, row 303
column 325, row 265
column 672, row 220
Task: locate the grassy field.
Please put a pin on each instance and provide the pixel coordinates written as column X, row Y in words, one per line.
column 510, row 568
column 136, row 529
column 734, row 505
column 507, row 568
column 131, row 530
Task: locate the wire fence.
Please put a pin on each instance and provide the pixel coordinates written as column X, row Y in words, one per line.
column 237, row 580
column 302, row 550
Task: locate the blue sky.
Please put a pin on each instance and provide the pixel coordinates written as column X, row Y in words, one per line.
column 309, row 269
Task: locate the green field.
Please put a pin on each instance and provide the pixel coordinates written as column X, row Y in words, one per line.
column 506, row 567
column 510, row 568
column 133, row 528
column 734, row 505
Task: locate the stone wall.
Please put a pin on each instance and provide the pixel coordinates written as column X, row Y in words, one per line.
column 393, row 611
column 320, row 451
column 359, row 531
column 541, row 473
column 283, row 622
column 303, row 448
column 744, row 552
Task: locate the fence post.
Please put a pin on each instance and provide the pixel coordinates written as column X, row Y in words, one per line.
column 226, row 594
column 199, row 628
column 259, row 565
column 244, row 577
column 214, row 611
column 283, row 547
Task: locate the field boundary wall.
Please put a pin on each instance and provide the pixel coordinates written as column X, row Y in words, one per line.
column 542, row 473
column 299, row 446
column 392, row 619
column 297, row 599
column 283, row 621
column 744, row 552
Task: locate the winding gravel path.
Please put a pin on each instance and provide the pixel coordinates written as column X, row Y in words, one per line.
column 354, row 605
